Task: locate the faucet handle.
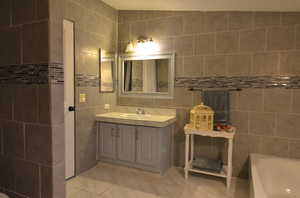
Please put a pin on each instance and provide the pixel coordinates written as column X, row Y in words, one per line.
column 137, row 111
column 140, row 111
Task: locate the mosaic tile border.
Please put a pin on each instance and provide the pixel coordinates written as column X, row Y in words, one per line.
column 91, row 80
column 32, row 74
column 86, row 80
column 289, row 82
column 56, row 74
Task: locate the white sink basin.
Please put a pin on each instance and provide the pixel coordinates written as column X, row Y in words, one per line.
column 136, row 119
column 135, row 116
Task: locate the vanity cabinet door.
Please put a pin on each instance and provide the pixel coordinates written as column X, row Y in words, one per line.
column 107, row 141
column 126, row 143
column 147, row 146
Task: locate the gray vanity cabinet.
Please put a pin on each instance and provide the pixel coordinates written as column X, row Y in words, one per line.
column 117, row 142
column 148, row 148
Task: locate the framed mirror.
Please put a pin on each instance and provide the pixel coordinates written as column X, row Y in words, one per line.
column 147, row 76
column 106, row 72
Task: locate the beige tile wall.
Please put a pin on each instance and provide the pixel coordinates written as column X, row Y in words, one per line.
column 230, row 44
column 95, row 27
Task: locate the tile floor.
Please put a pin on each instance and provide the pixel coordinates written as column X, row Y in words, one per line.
column 112, row 181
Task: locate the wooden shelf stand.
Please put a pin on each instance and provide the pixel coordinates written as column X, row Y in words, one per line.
column 226, row 171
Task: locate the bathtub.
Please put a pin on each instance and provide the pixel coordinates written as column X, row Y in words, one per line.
column 274, row 177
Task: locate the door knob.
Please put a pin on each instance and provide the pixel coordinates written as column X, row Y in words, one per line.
column 71, row 108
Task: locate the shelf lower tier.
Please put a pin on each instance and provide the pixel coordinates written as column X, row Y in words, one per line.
column 223, row 172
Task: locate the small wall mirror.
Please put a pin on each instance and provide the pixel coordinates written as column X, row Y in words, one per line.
column 106, row 72
column 147, row 76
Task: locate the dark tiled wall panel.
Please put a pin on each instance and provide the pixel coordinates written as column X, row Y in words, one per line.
column 30, row 123
column 25, row 100
column 20, row 176
column 27, row 134
column 48, row 188
column 23, row 12
column 1, row 139
column 11, row 39
column 6, row 102
column 43, row 9
column 5, row 16
column 38, row 141
column 35, row 43
column 214, row 49
column 27, row 178
column 28, row 11
column 13, row 139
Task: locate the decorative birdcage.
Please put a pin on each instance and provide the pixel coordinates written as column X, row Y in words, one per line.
column 202, row 118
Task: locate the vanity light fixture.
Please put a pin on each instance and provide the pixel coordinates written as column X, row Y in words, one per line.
column 143, row 46
column 140, row 45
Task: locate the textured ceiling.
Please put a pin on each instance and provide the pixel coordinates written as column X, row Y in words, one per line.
column 207, row 5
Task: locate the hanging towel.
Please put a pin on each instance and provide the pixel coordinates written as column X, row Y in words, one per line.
column 219, row 102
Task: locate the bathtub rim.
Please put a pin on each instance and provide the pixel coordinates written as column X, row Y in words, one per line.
column 257, row 190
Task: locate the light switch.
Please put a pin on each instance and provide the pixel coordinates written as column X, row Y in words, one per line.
column 82, row 98
column 107, row 106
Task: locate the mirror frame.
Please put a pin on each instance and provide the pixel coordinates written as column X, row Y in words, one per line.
column 171, row 75
column 113, row 59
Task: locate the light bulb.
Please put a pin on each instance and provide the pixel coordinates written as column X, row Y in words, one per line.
column 146, row 47
column 129, row 47
column 153, row 46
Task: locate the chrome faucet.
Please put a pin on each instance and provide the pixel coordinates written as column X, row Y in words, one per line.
column 140, row 111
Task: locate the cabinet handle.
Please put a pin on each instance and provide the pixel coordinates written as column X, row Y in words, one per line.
column 118, row 132
column 136, row 134
column 112, row 132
